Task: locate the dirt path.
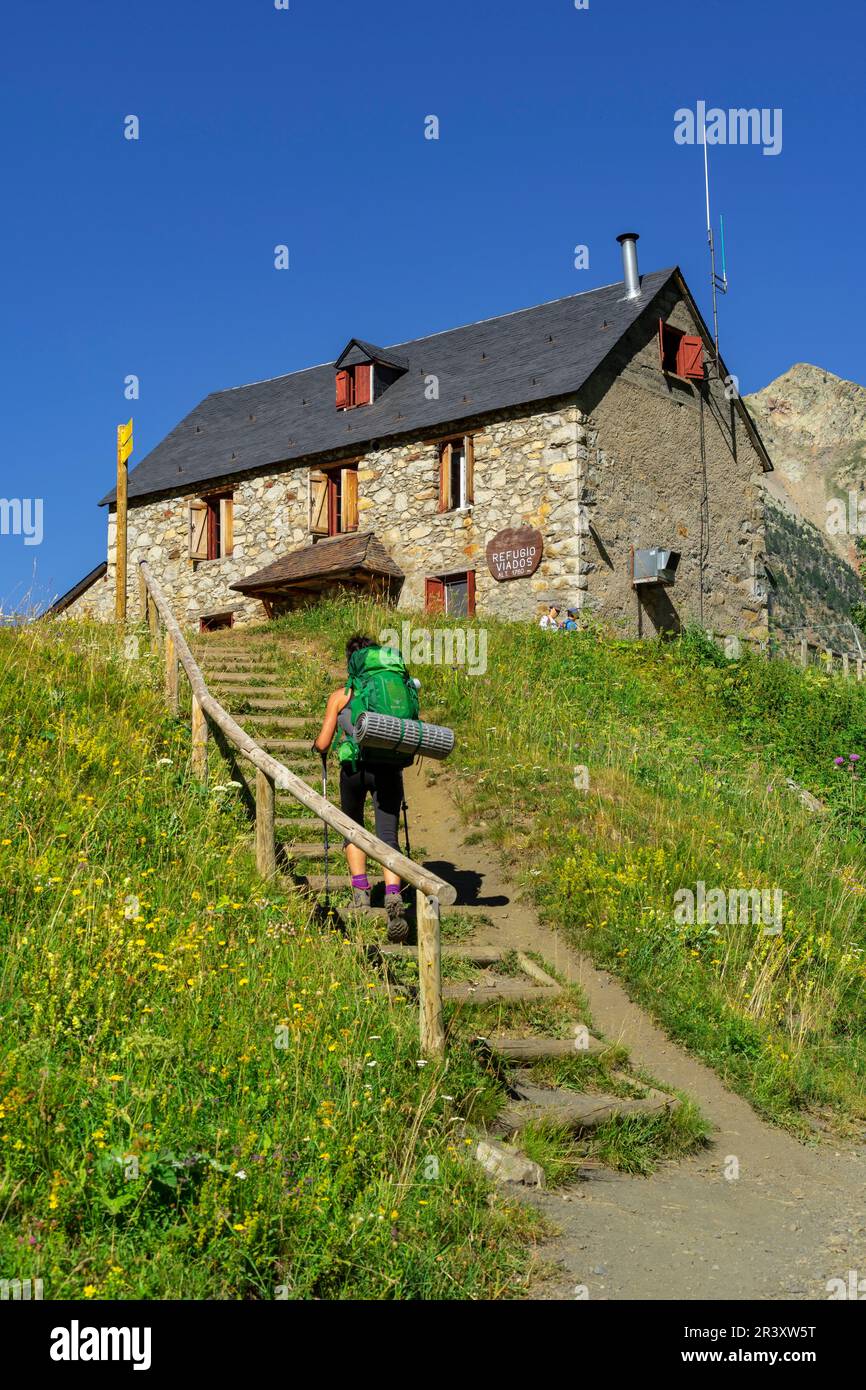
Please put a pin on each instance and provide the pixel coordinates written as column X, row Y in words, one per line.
column 794, row 1218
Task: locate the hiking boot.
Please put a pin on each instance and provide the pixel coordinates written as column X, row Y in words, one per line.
column 398, row 927
column 360, row 899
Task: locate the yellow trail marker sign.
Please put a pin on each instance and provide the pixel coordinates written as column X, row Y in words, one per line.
column 124, row 442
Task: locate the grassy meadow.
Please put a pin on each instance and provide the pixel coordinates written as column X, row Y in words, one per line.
column 202, row 1093
column 688, row 756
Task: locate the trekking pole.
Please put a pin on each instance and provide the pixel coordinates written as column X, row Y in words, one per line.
column 405, row 810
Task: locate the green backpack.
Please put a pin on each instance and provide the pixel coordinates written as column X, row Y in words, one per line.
column 381, row 684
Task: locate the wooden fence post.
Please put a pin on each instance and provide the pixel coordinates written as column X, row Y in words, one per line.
column 804, row 652
column 430, row 976
column 199, row 740
column 859, row 668
column 171, row 673
column 266, row 856
column 846, row 672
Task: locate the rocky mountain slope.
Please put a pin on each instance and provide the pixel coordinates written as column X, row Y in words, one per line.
column 814, row 426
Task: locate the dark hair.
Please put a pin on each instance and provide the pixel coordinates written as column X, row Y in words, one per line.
column 357, row 644
column 571, row 612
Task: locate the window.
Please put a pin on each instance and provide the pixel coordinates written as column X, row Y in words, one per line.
column 451, row 594
column 681, row 354
column 355, row 386
column 456, row 473
column 334, row 500
column 211, row 527
column 215, row 622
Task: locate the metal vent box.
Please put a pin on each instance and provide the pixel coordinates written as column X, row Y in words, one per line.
column 655, row 566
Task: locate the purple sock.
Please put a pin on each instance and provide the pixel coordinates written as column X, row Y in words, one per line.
column 391, row 888
column 361, row 881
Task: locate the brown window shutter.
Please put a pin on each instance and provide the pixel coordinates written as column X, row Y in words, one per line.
column 363, row 383
column 470, row 593
column 349, row 500
column 469, row 455
column 227, row 526
column 198, row 519
column 434, row 596
column 690, row 357
column 445, row 478
column 318, row 504
column 344, row 390
column 662, row 343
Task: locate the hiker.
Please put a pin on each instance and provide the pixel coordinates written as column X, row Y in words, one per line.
column 550, row 619
column 570, row 624
column 377, row 680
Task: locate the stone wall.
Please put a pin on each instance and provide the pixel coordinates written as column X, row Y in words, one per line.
column 526, row 473
column 644, row 487
column 270, row 517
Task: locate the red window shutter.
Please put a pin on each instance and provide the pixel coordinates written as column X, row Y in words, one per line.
column 470, row 593
column 344, row 390
column 445, row 477
column 690, row 357
column 363, row 383
column 434, row 596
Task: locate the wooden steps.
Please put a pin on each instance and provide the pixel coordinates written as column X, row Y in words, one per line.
column 290, row 745
column 512, row 991
column 280, row 721
column 533, row 1049
column 576, row 1110
column 257, row 701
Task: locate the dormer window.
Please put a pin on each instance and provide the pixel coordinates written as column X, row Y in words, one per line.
column 354, row 386
column 364, row 373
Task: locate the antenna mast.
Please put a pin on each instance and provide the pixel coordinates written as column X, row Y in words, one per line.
column 718, row 283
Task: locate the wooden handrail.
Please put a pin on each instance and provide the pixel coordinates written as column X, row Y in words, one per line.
column 431, row 890
column 280, row 776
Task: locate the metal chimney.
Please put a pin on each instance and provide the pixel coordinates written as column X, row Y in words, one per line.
column 628, row 242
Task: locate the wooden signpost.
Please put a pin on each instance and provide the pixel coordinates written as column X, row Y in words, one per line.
column 124, row 449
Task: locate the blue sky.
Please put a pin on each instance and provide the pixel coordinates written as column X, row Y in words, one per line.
column 305, row 127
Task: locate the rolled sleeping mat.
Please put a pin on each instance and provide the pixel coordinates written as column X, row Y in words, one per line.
column 409, row 736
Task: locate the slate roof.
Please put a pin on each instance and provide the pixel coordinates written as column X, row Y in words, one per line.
column 530, row 355
column 66, row 600
column 339, row 555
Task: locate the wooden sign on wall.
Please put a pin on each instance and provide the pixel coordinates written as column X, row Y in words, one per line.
column 514, row 553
